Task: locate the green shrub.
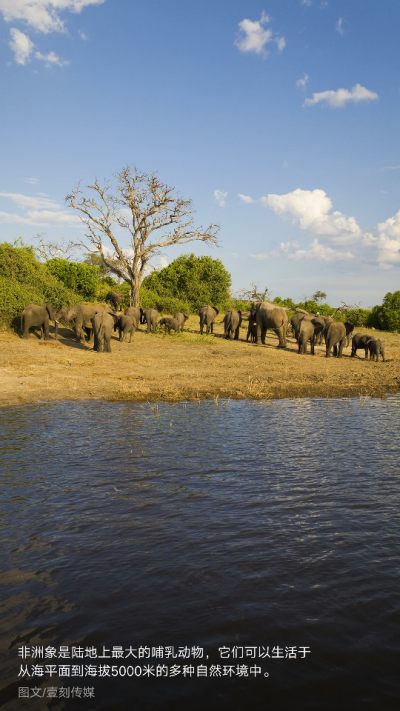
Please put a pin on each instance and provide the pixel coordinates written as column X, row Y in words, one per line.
column 387, row 316
column 77, row 276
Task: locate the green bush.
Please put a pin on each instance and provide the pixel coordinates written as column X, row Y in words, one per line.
column 25, row 280
column 77, row 276
column 191, row 281
column 387, row 316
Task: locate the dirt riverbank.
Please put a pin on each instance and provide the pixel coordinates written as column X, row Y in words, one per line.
column 186, row 367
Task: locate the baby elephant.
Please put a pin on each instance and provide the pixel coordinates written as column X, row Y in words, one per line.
column 252, row 332
column 168, row 322
column 127, row 327
column 375, row 349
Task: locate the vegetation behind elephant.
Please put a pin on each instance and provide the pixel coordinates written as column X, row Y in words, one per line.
column 169, row 322
column 267, row 315
column 102, row 324
column 360, row 340
column 149, row 316
column 81, row 315
column 336, row 336
column 308, row 330
column 232, row 323
column 34, row 316
column 182, row 318
column 207, row 315
column 376, row 349
column 115, row 299
column 126, row 326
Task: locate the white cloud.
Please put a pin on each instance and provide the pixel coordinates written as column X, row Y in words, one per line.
column 21, row 45
column 42, row 15
column 34, row 203
column 82, row 35
column 219, row 196
column 253, row 37
column 52, row 58
column 302, row 82
column 32, row 181
column 339, row 26
column 388, row 243
column 391, row 167
column 341, row 97
column 38, row 211
column 245, row 198
column 306, row 3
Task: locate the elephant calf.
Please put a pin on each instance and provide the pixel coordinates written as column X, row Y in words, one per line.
column 168, row 322
column 376, row 349
column 126, row 326
column 307, row 331
column 252, row 332
column 360, row 340
column 232, row 322
column 182, row 318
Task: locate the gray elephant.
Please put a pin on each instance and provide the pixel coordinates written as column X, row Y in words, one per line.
column 182, row 318
column 102, row 324
column 115, row 299
column 336, row 336
column 168, row 322
column 266, row 316
column 207, row 315
column 81, row 316
column 252, row 332
column 232, row 323
column 325, row 321
column 360, row 340
column 308, row 330
column 133, row 312
column 126, row 326
column 149, row 316
column 34, row 316
column 376, row 349
column 297, row 317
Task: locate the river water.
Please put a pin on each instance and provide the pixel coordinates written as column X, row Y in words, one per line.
column 259, row 540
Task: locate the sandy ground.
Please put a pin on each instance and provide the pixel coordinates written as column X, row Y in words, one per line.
column 186, row 366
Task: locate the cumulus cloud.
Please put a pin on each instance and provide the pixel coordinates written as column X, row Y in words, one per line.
column 82, row 35
column 254, row 38
column 301, row 83
column 52, row 58
column 341, row 97
column 245, row 198
column 219, row 197
column 42, row 15
column 21, row 45
column 388, row 242
column 339, row 26
column 306, row 3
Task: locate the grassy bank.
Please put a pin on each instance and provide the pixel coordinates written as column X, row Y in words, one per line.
column 185, row 367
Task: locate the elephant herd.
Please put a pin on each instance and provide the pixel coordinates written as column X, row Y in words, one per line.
column 91, row 321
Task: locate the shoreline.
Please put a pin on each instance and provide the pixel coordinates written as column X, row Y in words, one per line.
column 186, row 367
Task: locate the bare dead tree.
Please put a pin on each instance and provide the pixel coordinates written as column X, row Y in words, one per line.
column 255, row 293
column 153, row 214
column 50, row 250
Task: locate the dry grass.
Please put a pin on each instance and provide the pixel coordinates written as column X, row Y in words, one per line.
column 186, row 367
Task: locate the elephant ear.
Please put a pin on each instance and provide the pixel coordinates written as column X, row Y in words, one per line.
column 51, row 311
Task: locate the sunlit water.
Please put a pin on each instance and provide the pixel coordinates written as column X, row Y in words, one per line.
column 251, row 524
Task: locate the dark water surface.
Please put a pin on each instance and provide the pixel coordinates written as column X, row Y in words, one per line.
column 269, row 525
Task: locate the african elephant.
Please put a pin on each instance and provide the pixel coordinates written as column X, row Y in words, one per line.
column 102, row 324
column 252, row 332
column 149, row 316
column 308, row 330
column 297, row 317
column 181, row 318
column 360, row 340
column 133, row 312
column 168, row 322
column 126, row 326
column 115, row 299
column 81, row 315
column 336, row 335
column 268, row 315
column 207, row 315
column 376, row 348
column 232, row 322
column 325, row 321
column 33, row 316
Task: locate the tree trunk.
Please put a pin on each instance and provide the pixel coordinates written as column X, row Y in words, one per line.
column 135, row 292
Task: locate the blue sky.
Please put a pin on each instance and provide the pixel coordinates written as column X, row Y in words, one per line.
column 279, row 119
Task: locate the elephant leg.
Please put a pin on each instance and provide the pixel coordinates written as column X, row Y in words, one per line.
column 263, row 334
column 237, row 334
